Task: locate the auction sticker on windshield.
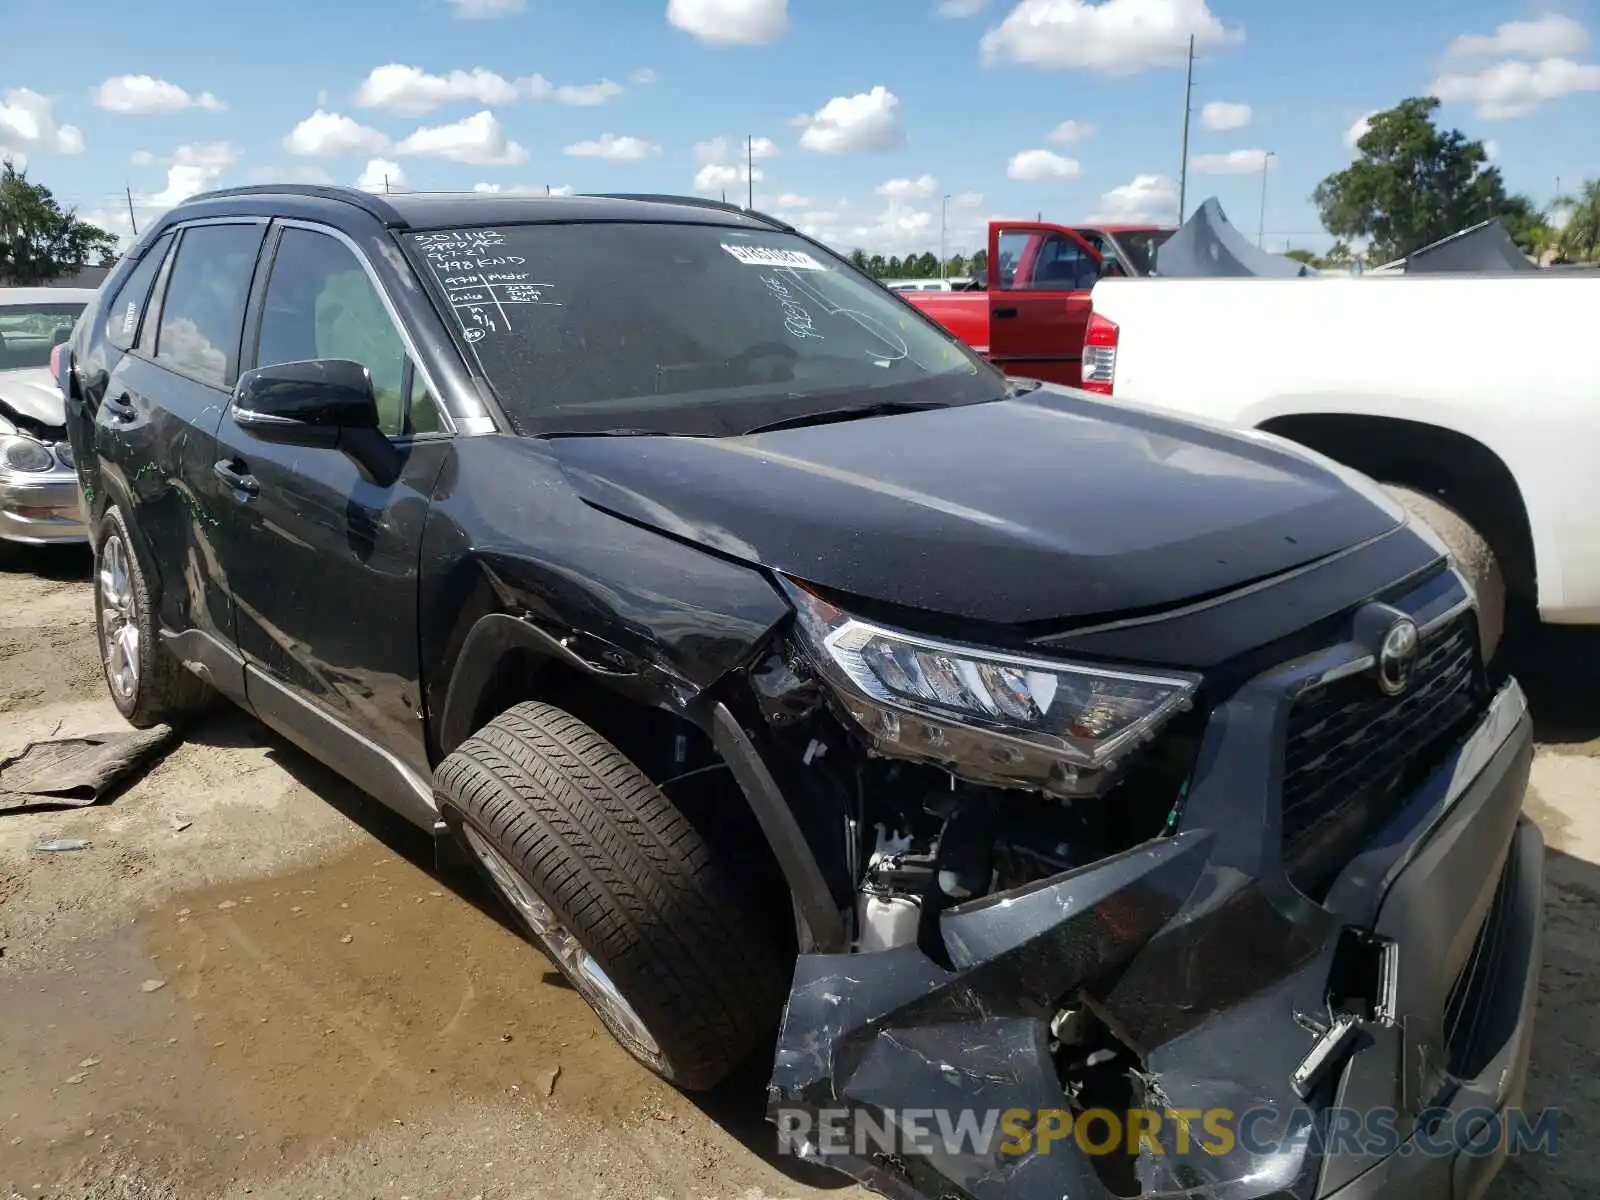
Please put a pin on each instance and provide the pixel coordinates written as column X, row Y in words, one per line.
column 767, row 256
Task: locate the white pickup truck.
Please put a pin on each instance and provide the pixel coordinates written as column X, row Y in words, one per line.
column 1475, row 397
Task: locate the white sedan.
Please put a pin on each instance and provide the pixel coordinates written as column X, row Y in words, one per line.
column 38, row 484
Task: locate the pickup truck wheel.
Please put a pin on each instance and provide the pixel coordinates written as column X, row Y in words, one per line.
column 1475, row 559
column 608, row 878
column 148, row 684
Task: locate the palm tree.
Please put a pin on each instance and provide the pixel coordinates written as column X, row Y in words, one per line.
column 1580, row 237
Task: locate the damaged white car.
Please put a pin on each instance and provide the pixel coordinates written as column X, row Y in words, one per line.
column 38, row 484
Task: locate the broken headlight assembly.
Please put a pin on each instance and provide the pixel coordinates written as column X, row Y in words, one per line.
column 986, row 716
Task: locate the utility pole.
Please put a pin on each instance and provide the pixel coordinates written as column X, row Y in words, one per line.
column 132, row 220
column 749, row 172
column 1261, row 230
column 1188, row 109
column 944, row 204
column 386, row 183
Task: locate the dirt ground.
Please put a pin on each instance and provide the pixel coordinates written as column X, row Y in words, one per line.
column 251, row 982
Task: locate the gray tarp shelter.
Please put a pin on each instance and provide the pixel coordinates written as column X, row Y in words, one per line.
column 1207, row 246
column 1483, row 247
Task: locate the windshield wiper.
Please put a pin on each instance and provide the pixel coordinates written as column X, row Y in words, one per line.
column 859, row 412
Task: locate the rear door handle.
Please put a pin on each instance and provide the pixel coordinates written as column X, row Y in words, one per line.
column 228, row 471
column 119, row 409
column 1000, row 314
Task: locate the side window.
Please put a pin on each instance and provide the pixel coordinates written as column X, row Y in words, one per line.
column 125, row 312
column 321, row 304
column 202, row 313
column 1048, row 262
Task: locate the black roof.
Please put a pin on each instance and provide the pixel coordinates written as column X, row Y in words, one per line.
column 438, row 210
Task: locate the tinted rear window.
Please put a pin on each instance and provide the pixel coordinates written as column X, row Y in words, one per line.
column 202, row 314
column 692, row 329
column 127, row 310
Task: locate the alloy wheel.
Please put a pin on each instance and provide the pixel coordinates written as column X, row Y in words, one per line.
column 119, row 627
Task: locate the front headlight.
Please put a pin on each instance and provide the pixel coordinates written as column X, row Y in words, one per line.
column 994, row 718
column 25, row 454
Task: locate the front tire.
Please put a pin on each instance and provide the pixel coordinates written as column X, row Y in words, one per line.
column 1475, row 559
column 148, row 684
column 629, row 901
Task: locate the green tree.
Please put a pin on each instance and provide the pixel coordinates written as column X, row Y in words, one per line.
column 1309, row 257
column 1411, row 183
column 39, row 240
column 896, row 268
column 956, row 268
column 1579, row 239
column 980, row 265
column 858, row 259
column 877, row 268
column 1528, row 227
column 927, row 265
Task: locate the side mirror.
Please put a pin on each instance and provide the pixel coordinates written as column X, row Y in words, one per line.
column 324, row 403
column 305, row 403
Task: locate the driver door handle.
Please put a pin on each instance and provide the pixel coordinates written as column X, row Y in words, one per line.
column 228, row 471
column 1001, row 314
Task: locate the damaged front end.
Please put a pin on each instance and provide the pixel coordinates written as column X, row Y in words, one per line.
column 1124, row 933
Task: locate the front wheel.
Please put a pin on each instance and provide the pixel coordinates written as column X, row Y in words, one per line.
column 628, row 900
column 1475, row 559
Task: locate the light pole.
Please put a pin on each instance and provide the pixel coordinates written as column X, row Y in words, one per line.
column 1261, row 231
column 944, row 205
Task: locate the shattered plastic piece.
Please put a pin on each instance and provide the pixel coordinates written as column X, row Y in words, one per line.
column 546, row 1079
column 180, row 823
column 61, row 845
column 152, row 985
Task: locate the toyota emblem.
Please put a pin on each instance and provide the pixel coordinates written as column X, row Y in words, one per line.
column 1397, row 657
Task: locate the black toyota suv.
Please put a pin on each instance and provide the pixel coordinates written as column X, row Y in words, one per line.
column 785, row 667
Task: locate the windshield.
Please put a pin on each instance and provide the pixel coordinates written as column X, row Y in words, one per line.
column 1140, row 248
column 702, row 330
column 28, row 332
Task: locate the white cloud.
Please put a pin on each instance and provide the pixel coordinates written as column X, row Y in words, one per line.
column 1070, row 133
column 1359, row 130
column 587, row 95
column 1491, row 149
column 791, row 200
column 130, row 94
column 1114, row 36
column 721, row 150
column 1234, row 162
column 909, row 189
column 193, row 169
column 484, row 10
column 1222, row 115
column 324, row 134
column 1514, row 89
column 643, row 76
column 479, row 139
column 618, row 149
column 731, row 22
column 1548, row 36
column 142, row 158
column 519, row 189
column 1147, row 199
column 898, row 228
column 718, row 177
column 961, row 8
column 563, row 190
column 1035, row 165
column 381, row 175
column 27, row 124
column 297, row 173
column 967, row 199
column 863, row 123
column 413, row 91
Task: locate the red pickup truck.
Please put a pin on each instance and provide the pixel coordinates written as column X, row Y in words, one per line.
column 1032, row 316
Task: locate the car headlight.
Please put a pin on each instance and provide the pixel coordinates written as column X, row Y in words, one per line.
column 994, row 718
column 25, row 454
column 63, row 450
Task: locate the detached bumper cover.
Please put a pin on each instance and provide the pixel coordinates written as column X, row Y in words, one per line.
column 41, row 509
column 1207, row 963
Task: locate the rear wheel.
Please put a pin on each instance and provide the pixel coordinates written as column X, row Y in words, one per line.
column 148, row 684
column 1475, row 559
column 620, row 890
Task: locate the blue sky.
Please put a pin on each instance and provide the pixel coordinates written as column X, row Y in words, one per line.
column 869, row 114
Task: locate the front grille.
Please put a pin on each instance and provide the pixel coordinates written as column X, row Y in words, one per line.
column 1352, row 754
column 1472, row 1033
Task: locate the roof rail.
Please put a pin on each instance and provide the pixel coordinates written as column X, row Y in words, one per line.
column 694, row 202
column 366, row 201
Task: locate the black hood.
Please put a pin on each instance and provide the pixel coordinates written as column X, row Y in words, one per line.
column 1046, row 507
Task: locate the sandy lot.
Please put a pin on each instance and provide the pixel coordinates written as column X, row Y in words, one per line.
column 281, row 999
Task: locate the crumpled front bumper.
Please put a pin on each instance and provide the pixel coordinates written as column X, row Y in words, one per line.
column 1203, row 959
column 41, row 509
